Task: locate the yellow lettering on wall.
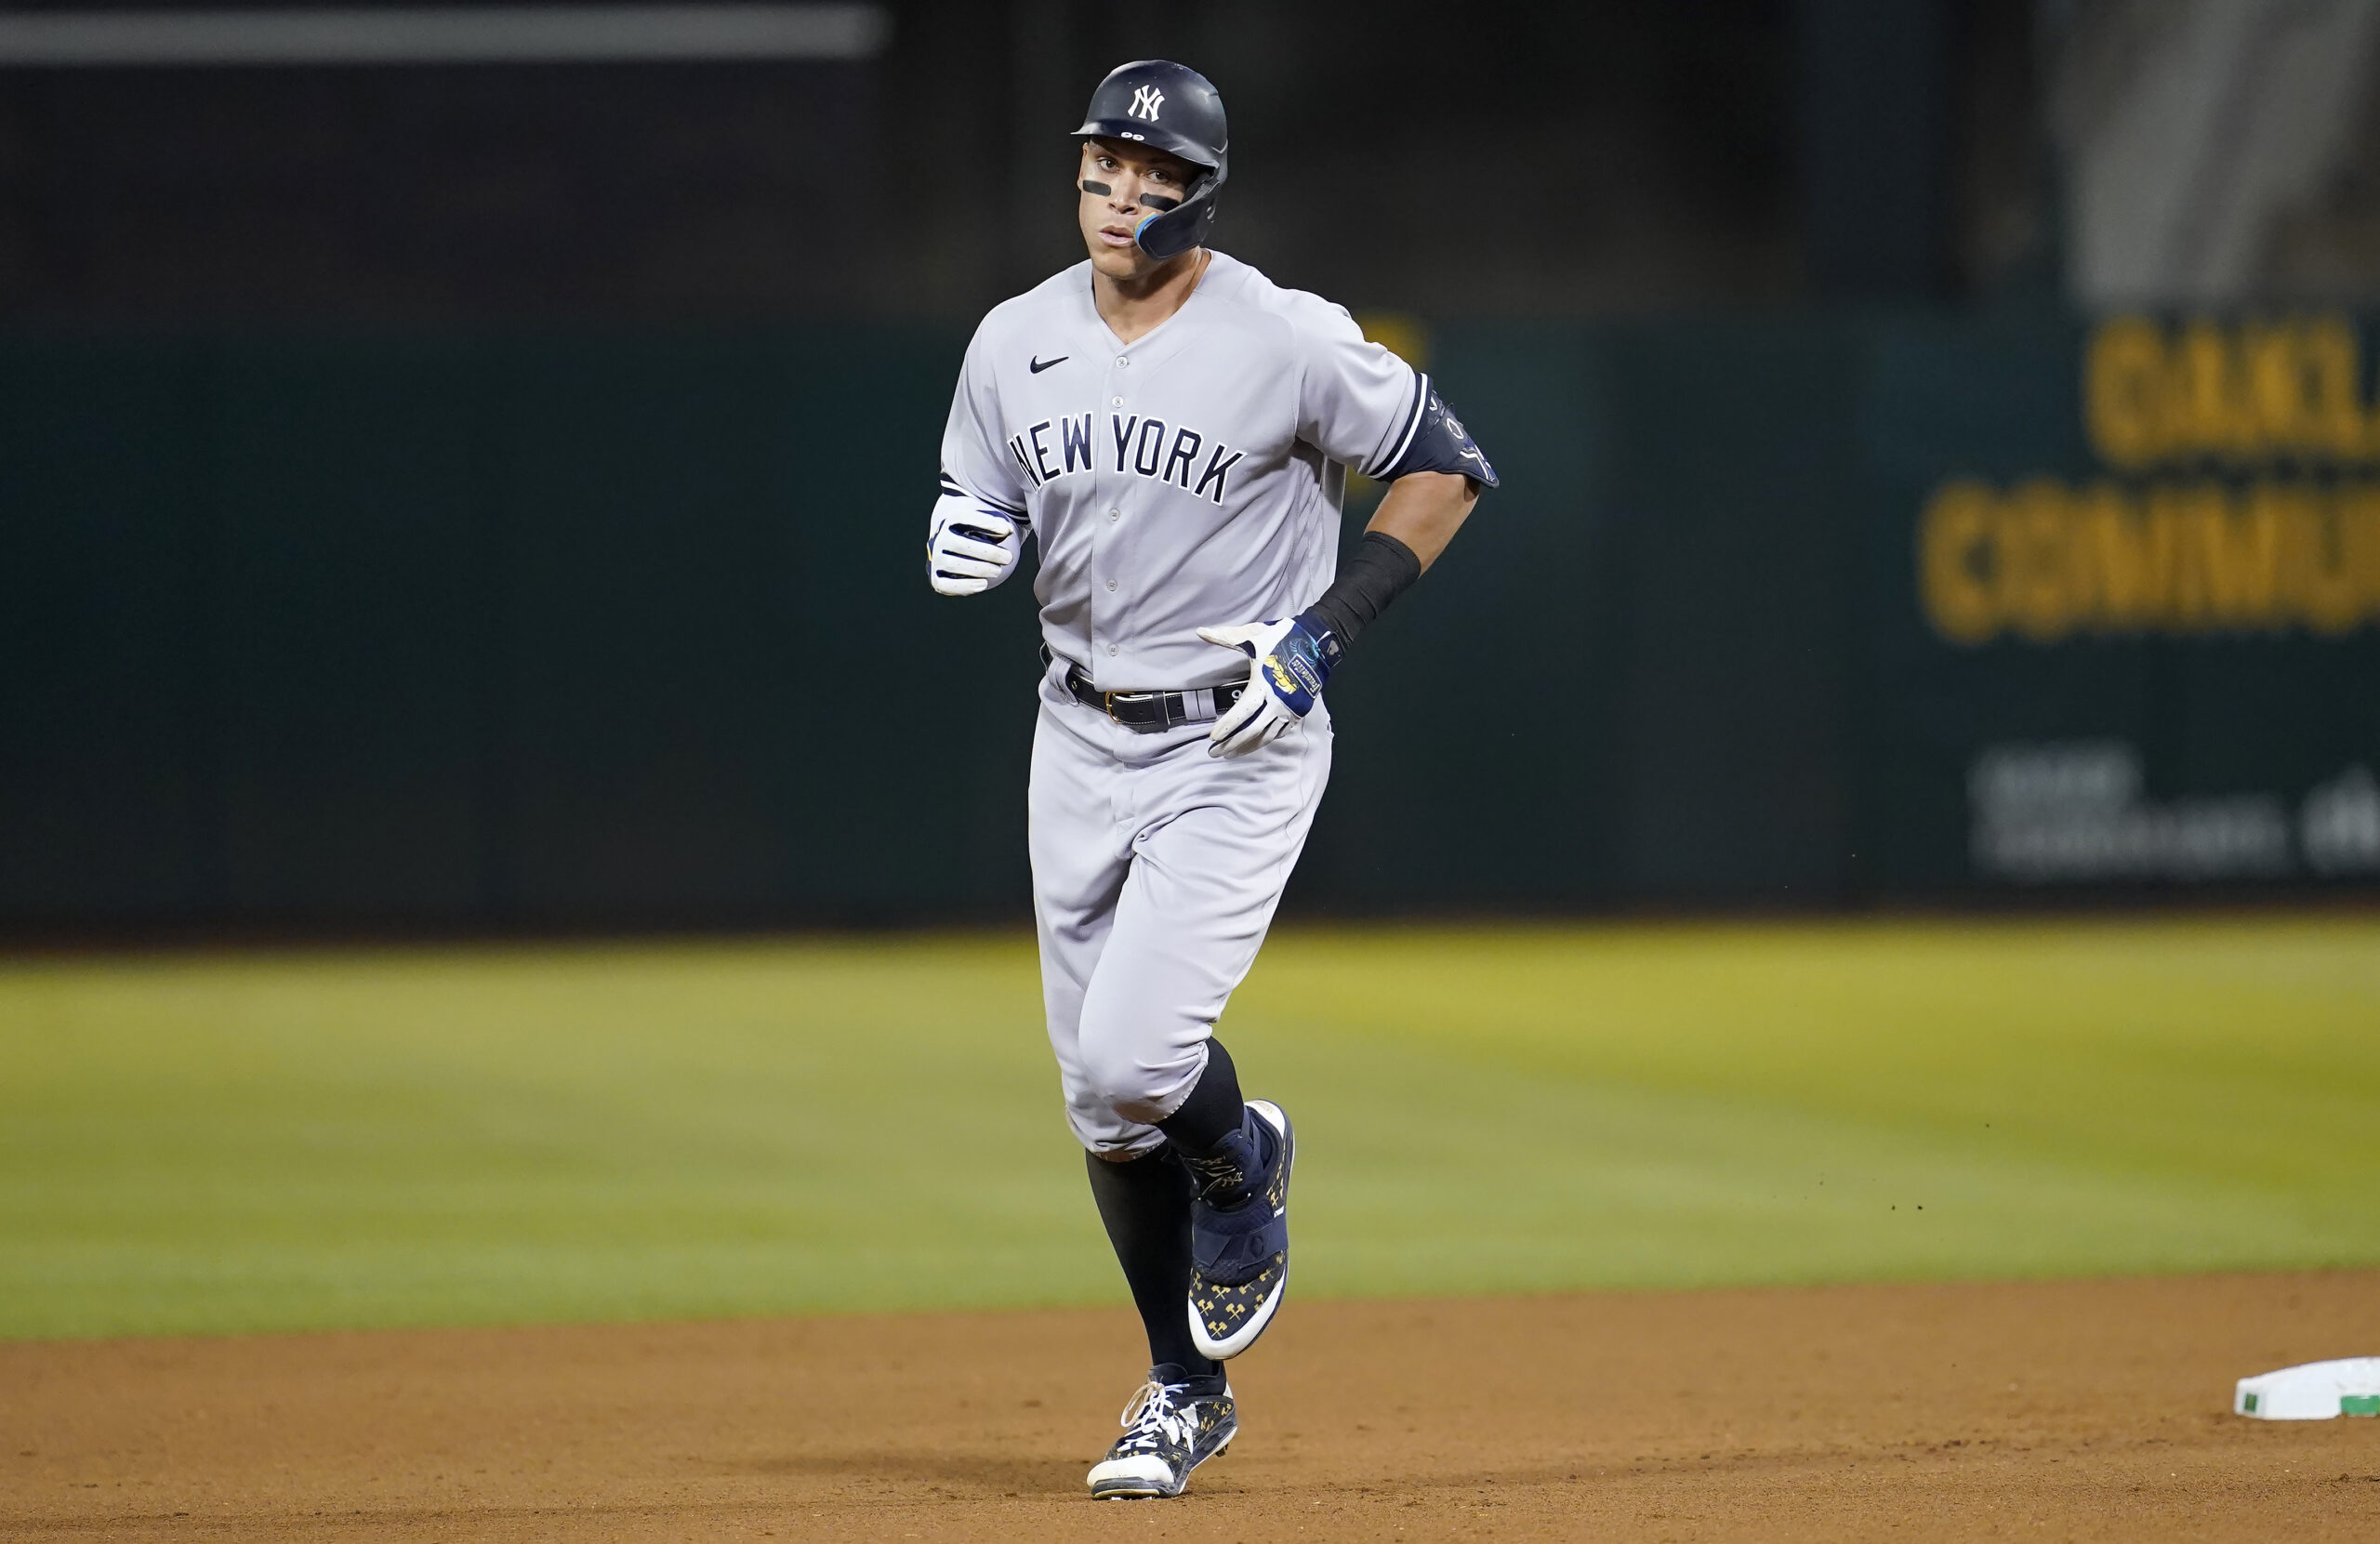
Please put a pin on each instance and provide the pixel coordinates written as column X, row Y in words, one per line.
column 2333, row 367
column 1957, row 563
column 2037, row 594
column 2252, row 552
column 2319, row 587
column 2123, row 391
column 2241, row 393
column 2129, row 559
column 2357, row 531
column 2275, row 359
column 2046, row 561
column 2228, row 558
column 2210, row 409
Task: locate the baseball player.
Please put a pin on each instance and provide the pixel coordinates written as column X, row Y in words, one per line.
column 1175, row 432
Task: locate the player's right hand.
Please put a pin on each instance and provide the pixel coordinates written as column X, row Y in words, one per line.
column 969, row 549
column 1292, row 666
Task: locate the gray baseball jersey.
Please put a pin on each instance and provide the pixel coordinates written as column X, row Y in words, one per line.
column 1190, row 478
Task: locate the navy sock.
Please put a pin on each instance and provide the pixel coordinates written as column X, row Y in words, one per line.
column 1146, row 1205
column 1214, row 1109
column 1200, row 1384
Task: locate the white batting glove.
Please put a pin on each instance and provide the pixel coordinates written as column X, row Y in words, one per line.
column 969, row 549
column 1283, row 685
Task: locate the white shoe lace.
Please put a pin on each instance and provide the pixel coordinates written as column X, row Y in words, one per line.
column 1151, row 1415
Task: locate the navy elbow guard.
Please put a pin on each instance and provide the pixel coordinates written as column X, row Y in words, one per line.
column 1436, row 442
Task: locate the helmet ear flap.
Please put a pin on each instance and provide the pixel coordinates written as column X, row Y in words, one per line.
column 1184, row 226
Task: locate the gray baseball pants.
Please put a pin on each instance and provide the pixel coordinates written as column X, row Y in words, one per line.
column 1155, row 871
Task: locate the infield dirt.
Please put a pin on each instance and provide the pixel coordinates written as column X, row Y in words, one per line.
column 2063, row 1410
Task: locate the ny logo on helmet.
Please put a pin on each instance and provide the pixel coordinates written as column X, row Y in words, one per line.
column 1146, row 99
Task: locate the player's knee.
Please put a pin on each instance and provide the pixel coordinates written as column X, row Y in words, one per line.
column 1137, row 1079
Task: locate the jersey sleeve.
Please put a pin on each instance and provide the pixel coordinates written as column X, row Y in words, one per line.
column 974, row 462
column 1357, row 402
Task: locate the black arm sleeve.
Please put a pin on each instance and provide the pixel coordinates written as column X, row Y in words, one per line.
column 1380, row 569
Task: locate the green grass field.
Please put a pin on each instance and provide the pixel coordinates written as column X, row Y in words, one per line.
column 498, row 1135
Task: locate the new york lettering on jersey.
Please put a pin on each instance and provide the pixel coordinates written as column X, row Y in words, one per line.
column 1145, row 447
column 1191, row 473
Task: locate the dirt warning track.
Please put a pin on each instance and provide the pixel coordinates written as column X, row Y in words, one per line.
column 2072, row 1410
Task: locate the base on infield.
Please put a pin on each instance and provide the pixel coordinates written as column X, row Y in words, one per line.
column 2313, row 1391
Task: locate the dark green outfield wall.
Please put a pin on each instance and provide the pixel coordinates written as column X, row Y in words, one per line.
column 1627, row 682
column 631, row 630
column 623, row 629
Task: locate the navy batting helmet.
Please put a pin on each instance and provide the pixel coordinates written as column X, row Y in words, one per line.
column 1173, row 108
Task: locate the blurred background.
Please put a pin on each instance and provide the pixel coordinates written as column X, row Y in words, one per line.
column 462, row 474
column 462, row 470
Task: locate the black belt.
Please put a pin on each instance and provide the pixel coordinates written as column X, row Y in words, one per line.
column 1152, row 711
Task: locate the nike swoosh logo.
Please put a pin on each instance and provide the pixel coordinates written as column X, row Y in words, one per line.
column 1040, row 365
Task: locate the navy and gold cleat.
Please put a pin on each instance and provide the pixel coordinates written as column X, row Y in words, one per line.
column 1240, row 1233
column 1172, row 1425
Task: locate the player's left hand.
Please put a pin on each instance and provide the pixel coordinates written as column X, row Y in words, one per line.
column 1292, row 666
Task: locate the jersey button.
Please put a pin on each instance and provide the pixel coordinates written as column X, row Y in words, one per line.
column 1121, row 361
column 1111, row 651
column 1115, row 402
column 1112, row 513
column 1111, row 586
